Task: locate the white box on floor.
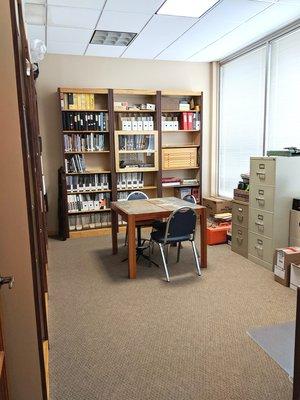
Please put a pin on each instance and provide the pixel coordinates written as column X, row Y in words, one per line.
column 295, row 276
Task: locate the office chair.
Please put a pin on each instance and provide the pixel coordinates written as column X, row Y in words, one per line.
column 138, row 195
column 180, row 227
column 161, row 225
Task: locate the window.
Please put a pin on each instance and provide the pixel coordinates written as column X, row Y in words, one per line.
column 283, row 119
column 242, row 85
column 254, row 115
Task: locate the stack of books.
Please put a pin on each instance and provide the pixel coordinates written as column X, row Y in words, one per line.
column 130, row 180
column 89, row 221
column 77, row 101
column 136, row 142
column 88, row 202
column 83, row 121
column 169, row 182
column 75, row 164
column 88, row 142
column 81, row 183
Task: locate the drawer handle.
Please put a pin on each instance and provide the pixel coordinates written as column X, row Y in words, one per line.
column 240, row 209
column 259, row 223
column 260, row 200
column 261, row 175
column 258, row 247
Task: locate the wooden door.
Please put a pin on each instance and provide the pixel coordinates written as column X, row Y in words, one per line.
column 3, row 380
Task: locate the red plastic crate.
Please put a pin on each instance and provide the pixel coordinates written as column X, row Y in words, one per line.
column 218, row 234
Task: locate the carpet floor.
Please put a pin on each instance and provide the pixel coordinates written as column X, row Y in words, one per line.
column 145, row 339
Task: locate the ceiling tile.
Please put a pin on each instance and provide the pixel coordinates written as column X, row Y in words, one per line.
column 65, row 48
column 72, row 17
column 104, row 51
column 268, row 21
column 120, row 21
column 135, row 6
column 68, row 35
column 35, row 14
column 219, row 21
column 95, row 4
column 36, row 32
column 157, row 35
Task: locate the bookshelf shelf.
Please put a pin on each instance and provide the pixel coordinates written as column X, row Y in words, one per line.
column 83, row 132
column 133, row 189
column 100, row 171
column 84, row 110
column 89, row 211
column 89, row 191
column 136, row 111
column 126, row 135
column 179, row 111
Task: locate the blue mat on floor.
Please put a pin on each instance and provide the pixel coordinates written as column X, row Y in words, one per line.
column 278, row 341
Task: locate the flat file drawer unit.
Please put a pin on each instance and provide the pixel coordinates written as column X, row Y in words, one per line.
column 179, row 158
column 274, row 183
column 239, row 238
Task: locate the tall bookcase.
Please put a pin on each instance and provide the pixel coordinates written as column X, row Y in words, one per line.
column 115, row 141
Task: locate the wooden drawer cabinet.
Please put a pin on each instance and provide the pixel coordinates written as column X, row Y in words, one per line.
column 239, row 240
column 179, row 158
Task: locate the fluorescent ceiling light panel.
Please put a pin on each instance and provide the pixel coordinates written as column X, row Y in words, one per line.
column 111, row 38
column 186, row 8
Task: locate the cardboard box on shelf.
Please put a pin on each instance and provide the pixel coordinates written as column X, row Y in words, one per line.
column 216, row 205
column 241, row 195
column 282, row 260
column 295, row 276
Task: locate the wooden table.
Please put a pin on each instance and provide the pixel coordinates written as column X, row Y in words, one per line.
column 137, row 211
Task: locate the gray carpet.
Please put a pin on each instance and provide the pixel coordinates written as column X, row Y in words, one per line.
column 115, row 339
column 278, row 341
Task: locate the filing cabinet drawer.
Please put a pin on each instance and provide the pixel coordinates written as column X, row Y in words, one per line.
column 260, row 247
column 240, row 214
column 239, row 240
column 262, row 171
column 261, row 222
column 262, row 197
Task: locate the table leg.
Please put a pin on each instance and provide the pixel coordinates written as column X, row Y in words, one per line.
column 203, row 238
column 131, row 247
column 114, row 231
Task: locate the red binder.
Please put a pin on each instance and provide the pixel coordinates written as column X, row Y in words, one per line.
column 184, row 121
column 190, row 121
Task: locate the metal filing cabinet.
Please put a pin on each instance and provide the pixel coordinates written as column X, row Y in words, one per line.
column 274, row 183
column 239, row 237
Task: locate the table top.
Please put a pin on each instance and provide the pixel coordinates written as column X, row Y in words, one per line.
column 152, row 206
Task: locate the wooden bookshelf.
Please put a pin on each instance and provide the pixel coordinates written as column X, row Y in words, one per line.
column 134, row 145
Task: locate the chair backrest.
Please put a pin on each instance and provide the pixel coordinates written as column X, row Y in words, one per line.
column 190, row 198
column 181, row 223
column 137, row 195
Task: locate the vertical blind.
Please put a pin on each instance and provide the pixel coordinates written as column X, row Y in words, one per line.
column 241, row 122
column 283, row 112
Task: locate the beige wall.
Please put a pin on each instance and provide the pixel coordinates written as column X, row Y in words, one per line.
column 17, row 305
column 77, row 71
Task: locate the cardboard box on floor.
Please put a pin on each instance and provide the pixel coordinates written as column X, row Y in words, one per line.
column 216, row 205
column 282, row 263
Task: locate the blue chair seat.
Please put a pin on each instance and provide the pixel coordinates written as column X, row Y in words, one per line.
column 159, row 236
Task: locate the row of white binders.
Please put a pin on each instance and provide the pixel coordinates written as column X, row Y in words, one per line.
column 87, row 202
column 133, row 180
column 81, row 183
column 89, row 221
column 88, row 142
column 137, row 123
